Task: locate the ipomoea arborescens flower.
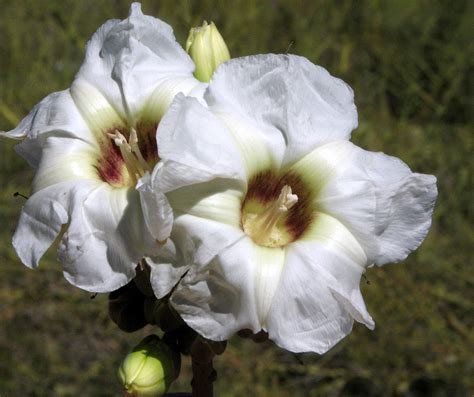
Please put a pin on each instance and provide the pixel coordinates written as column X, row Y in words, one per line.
column 277, row 214
column 90, row 146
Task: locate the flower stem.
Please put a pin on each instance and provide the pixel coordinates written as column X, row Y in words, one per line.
column 203, row 372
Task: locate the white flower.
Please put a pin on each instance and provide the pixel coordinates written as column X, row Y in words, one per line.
column 90, row 145
column 277, row 214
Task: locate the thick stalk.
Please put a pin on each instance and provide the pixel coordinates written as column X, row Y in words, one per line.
column 203, row 372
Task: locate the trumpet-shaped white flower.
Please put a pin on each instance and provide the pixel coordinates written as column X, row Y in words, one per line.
column 91, row 144
column 277, row 214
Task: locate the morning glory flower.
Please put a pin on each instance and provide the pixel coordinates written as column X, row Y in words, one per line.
column 277, row 213
column 91, row 144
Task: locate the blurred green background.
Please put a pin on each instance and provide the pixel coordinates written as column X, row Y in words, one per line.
column 411, row 66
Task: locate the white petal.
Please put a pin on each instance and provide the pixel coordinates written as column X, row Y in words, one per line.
column 55, row 115
column 126, row 60
column 220, row 299
column 168, row 266
column 219, row 200
column 317, row 299
column 404, row 216
column 41, row 220
column 157, row 211
column 204, row 238
column 268, row 268
column 213, row 207
column 65, row 159
column 333, row 234
column 382, row 203
column 258, row 153
column 326, row 231
column 295, row 103
column 166, row 89
column 95, row 108
column 194, row 146
column 105, row 240
column 105, row 235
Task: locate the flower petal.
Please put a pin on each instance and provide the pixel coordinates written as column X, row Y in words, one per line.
column 168, row 266
column 105, row 240
column 317, row 299
column 219, row 299
column 157, row 212
column 194, row 147
column 257, row 152
column 96, row 109
column 127, row 59
column 55, row 115
column 383, row 204
column 219, row 200
column 293, row 102
column 105, row 236
column 212, row 206
column 334, row 236
column 188, row 232
column 65, row 159
column 41, row 220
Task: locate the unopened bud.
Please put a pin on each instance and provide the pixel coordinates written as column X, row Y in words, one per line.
column 150, row 368
column 208, row 50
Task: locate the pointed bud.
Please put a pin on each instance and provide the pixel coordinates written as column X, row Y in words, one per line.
column 150, row 368
column 208, row 50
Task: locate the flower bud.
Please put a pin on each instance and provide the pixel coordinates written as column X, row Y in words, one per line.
column 150, row 368
column 208, row 50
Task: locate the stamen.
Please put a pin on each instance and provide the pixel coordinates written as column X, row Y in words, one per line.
column 134, row 161
column 136, row 150
column 263, row 224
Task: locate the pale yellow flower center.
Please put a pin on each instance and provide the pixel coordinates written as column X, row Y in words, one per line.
column 277, row 208
column 263, row 226
column 127, row 153
column 133, row 158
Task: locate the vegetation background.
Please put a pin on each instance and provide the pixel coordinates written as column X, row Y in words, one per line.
column 410, row 64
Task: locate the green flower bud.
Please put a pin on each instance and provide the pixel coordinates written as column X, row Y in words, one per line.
column 150, row 368
column 208, row 50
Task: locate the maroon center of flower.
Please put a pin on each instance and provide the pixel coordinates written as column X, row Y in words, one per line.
column 126, row 153
column 277, row 208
